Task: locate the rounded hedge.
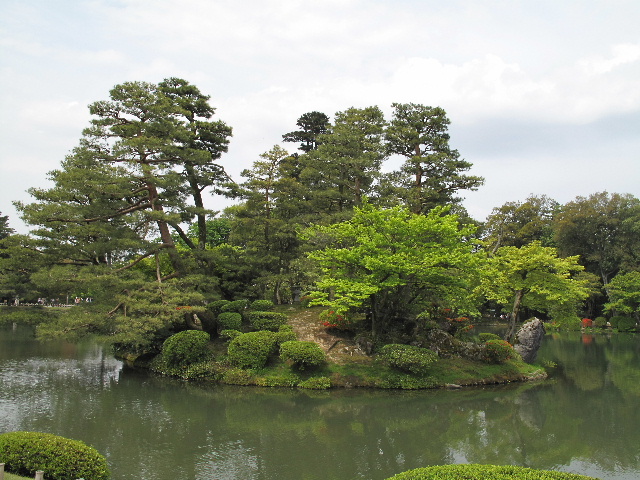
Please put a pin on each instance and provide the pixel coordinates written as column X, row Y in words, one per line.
column 229, row 321
column 23, row 453
column 261, row 305
column 485, row 337
column 485, row 472
column 498, row 351
column 267, row 320
column 302, row 354
column 408, row 357
column 185, row 348
column 215, row 307
column 626, row 324
column 237, row 306
column 252, row 350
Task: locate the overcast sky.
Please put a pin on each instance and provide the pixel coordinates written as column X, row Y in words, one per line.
column 543, row 95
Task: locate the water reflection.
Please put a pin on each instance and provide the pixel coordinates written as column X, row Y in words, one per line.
column 156, row 428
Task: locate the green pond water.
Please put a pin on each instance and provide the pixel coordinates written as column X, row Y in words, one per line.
column 584, row 420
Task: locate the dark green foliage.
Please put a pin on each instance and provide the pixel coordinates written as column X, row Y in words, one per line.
column 215, row 307
column 626, row 324
column 185, row 348
column 600, row 322
column 485, row 337
column 229, row 321
column 302, row 354
column 316, row 383
column 252, row 350
column 266, row 320
column 408, row 358
column 615, row 320
column 485, row 472
column 237, row 306
column 24, row 453
column 498, row 351
column 261, row 305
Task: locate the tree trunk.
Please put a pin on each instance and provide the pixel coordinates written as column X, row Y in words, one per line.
column 514, row 316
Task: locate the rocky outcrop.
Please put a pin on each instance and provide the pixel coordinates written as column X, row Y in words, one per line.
column 528, row 340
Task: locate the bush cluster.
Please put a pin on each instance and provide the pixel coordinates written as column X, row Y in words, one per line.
column 229, row 321
column 408, row 358
column 485, row 337
column 23, row 453
column 185, row 348
column 485, row 472
column 215, row 307
column 237, row 306
column 261, row 305
column 252, row 350
column 498, row 351
column 284, row 334
column 266, row 320
column 302, row 354
column 626, row 324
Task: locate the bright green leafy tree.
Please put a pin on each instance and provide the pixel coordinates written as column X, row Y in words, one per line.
column 532, row 276
column 388, row 264
column 624, row 292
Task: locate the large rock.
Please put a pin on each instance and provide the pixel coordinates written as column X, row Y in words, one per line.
column 528, row 340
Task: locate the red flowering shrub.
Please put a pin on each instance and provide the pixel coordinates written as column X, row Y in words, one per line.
column 498, row 351
column 587, row 322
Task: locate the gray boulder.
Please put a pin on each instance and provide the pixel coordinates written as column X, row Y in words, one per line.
column 528, row 340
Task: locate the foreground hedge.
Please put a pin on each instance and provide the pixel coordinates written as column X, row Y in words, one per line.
column 485, row 472
column 252, row 350
column 23, row 453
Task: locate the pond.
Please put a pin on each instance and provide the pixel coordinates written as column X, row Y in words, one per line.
column 583, row 420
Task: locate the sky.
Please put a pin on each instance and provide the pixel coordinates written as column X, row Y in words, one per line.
column 543, row 95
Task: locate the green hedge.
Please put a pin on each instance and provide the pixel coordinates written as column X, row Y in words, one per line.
column 626, row 324
column 498, row 351
column 485, row 337
column 485, row 472
column 252, row 350
column 237, row 306
column 302, row 354
column 261, row 305
column 215, row 307
column 408, row 358
column 229, row 321
column 23, row 453
column 266, row 320
column 185, row 348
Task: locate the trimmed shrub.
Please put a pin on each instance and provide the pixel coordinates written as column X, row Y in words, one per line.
column 498, row 351
column 237, row 306
column 302, row 354
column 185, row 348
column 626, row 324
column 600, row 322
column 285, row 334
column 230, row 334
column 485, row 337
column 408, row 358
column 215, row 307
column 261, row 305
column 614, row 320
column 267, row 320
column 229, row 321
column 485, row 472
column 61, row 458
column 316, row 383
column 252, row 350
